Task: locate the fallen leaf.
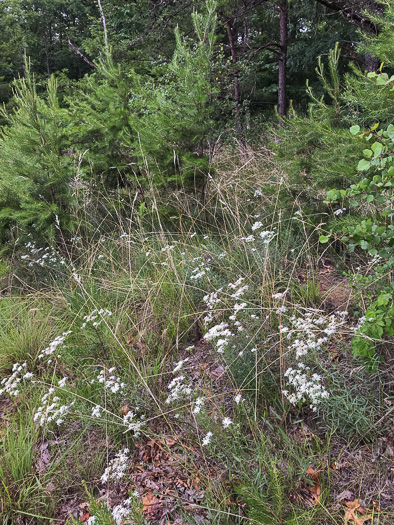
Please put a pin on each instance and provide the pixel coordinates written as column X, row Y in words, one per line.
column 124, row 410
column 315, row 489
column 150, row 503
column 350, row 513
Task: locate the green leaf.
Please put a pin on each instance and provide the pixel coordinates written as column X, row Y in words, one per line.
column 332, row 195
column 384, row 299
column 363, row 165
column 362, row 347
column 382, row 79
column 324, row 239
column 355, row 129
column 368, row 153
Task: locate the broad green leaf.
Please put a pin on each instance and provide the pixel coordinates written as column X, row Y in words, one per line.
column 363, row 165
column 324, row 239
column 354, row 129
column 382, row 79
column 384, row 299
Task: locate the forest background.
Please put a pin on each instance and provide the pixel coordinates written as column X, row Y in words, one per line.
column 196, row 227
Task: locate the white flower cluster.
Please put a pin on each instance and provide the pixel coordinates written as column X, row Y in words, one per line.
column 207, row 439
column 305, row 386
column 200, row 271
column 96, row 411
column 266, row 235
column 168, row 248
column 257, row 225
column 179, row 388
column 309, row 333
column 211, row 300
column 117, row 468
column 51, row 410
column 361, row 321
column 199, row 404
column 240, row 292
column 304, row 331
column 11, row 384
column 58, row 342
column 42, row 256
column 96, row 316
column 133, row 422
column 237, row 283
column 249, row 238
column 180, row 363
column 120, row 512
column 110, row 381
column 220, row 332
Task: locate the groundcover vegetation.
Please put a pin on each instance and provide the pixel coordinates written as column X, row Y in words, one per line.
column 196, row 318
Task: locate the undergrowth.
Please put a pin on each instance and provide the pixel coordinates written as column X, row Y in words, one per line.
column 189, row 370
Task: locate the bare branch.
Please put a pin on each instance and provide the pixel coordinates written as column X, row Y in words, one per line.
column 77, row 52
column 104, row 25
column 347, row 11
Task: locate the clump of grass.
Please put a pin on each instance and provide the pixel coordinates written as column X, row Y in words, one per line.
column 26, row 326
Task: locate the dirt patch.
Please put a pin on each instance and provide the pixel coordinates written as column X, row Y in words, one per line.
column 6, row 409
column 337, row 293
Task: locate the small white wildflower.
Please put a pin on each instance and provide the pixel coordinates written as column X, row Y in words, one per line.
column 117, row 467
column 179, row 365
column 198, row 405
column 96, row 411
column 227, row 422
column 238, row 399
column 267, row 236
column 249, row 238
column 207, row 439
column 257, row 225
column 280, row 295
column 62, row 382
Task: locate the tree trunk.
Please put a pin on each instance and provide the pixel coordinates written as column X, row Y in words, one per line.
column 284, row 36
column 237, row 91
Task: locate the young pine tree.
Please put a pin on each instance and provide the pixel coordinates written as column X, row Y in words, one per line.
column 36, row 166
